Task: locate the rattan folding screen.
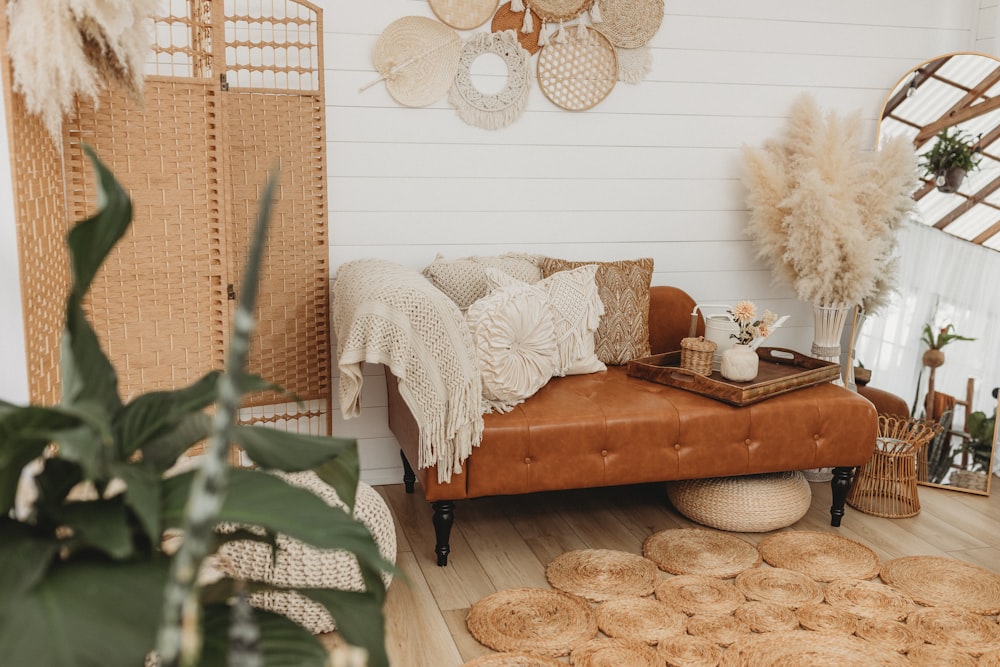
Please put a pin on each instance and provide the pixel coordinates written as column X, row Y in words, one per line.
column 229, row 97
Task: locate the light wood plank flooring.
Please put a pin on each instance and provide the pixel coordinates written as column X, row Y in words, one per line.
column 506, row 542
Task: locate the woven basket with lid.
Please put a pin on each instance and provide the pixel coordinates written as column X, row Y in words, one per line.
column 696, row 354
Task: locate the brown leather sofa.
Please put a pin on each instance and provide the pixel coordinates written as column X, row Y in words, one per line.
column 608, row 428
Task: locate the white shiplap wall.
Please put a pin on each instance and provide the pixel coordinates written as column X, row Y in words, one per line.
column 654, row 170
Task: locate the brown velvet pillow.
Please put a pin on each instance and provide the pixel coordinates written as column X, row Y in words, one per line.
column 623, row 333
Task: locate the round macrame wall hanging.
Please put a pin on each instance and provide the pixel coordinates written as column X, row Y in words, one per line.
column 417, row 57
column 464, row 14
column 628, row 23
column 497, row 110
column 508, row 19
column 578, row 73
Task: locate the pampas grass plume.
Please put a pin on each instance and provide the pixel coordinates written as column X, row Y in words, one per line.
column 823, row 211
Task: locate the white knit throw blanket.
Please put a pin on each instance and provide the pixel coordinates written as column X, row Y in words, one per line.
column 389, row 314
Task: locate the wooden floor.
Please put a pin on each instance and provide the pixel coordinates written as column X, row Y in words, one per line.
column 506, row 542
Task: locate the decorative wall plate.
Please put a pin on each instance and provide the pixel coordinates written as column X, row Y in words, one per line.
column 559, row 10
column 492, row 111
column 578, row 73
column 464, row 14
column 630, row 23
column 508, row 19
column 417, row 57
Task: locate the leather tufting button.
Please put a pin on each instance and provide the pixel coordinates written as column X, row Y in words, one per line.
column 816, row 437
column 604, row 452
column 747, row 441
column 677, row 446
column 527, row 459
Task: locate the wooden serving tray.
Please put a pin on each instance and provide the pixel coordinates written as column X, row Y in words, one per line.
column 780, row 372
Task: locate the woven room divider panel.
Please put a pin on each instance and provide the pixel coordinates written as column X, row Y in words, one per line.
column 194, row 157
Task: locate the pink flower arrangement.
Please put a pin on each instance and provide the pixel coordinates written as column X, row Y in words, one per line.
column 744, row 314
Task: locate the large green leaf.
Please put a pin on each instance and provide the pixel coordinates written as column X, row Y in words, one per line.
column 86, row 613
column 54, row 482
column 343, row 474
column 101, row 524
column 24, row 557
column 256, row 498
column 157, row 413
column 142, row 495
column 359, row 620
column 24, row 435
column 282, row 642
column 290, row 452
column 86, row 373
column 163, row 451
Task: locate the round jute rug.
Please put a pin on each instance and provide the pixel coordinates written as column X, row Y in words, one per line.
column 695, row 594
column 533, row 620
column 697, row 551
column 796, row 648
column 643, row 619
column 602, row 574
column 928, row 655
column 955, row 628
column 822, row 617
column 514, row 659
column 938, row 581
column 780, row 586
column 605, row 652
column 763, row 616
column 889, row 633
column 689, row 651
column 721, row 629
column 821, row 556
column 869, row 599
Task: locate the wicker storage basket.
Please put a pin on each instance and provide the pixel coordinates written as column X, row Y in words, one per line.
column 696, row 354
column 747, row 504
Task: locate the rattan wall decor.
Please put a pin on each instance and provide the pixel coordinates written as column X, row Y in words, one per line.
column 578, row 43
column 228, row 97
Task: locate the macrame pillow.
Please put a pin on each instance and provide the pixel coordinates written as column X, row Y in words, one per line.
column 515, row 343
column 464, row 279
column 576, row 312
column 623, row 333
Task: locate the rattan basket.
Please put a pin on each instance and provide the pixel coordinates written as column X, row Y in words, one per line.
column 696, row 354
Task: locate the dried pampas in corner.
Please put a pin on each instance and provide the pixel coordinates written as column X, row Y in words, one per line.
column 63, row 48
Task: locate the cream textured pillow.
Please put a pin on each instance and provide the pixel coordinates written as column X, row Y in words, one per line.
column 623, row 333
column 576, row 312
column 515, row 343
column 464, row 279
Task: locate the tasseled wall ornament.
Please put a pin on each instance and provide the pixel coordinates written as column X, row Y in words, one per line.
column 528, row 24
column 516, row 5
column 581, row 29
column 543, row 35
column 561, row 34
column 595, row 12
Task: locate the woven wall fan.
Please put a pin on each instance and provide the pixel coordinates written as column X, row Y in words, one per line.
column 579, row 73
column 463, row 14
column 417, row 57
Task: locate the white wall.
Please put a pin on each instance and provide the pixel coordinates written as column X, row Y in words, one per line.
column 654, row 170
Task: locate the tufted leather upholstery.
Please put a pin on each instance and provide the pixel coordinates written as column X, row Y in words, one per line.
column 608, row 428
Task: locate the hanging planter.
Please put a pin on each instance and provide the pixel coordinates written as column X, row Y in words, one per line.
column 953, row 155
column 949, row 180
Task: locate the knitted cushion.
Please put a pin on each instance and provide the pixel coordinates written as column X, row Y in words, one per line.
column 464, row 280
column 623, row 333
column 576, row 309
column 300, row 565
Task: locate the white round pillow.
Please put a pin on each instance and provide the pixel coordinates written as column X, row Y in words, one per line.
column 514, row 336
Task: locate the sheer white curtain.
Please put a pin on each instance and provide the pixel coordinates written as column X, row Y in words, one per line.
column 943, row 280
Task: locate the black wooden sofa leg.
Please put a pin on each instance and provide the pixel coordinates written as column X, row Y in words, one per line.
column 409, row 478
column 840, row 485
column 444, row 517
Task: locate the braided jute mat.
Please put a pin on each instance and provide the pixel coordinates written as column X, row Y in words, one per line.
column 602, row 574
column 695, row 594
column 698, row 551
column 643, row 619
column 763, row 616
column 869, row 599
column 955, row 628
column 821, row 556
column 889, row 633
column 513, row 659
column 689, row 651
column 778, row 585
column 929, row 655
column 797, row 648
column 938, row 581
column 533, row 620
column 822, row 617
column 614, row 651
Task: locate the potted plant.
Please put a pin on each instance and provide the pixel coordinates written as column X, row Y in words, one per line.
column 953, row 155
column 934, row 357
column 86, row 577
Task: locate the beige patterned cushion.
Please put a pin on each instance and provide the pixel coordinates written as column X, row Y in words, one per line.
column 515, row 343
column 623, row 333
column 576, row 312
column 464, row 281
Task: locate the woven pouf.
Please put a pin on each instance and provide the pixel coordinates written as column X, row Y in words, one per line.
column 303, row 566
column 744, row 504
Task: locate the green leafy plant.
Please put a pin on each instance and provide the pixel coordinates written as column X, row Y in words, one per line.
column 979, row 446
column 84, row 578
column 944, row 335
column 952, row 149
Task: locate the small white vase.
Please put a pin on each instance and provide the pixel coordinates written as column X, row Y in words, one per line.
column 739, row 363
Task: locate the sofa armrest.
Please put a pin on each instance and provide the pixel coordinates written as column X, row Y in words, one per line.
column 885, row 403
